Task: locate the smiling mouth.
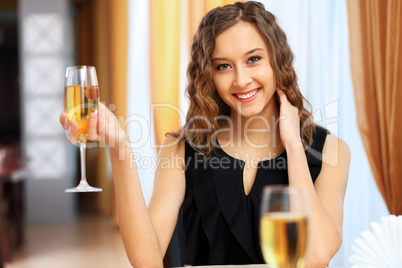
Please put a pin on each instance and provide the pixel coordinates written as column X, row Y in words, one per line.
column 247, row 95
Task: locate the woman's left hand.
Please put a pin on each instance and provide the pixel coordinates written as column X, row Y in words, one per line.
column 289, row 121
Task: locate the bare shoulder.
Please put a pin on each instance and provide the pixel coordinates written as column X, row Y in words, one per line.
column 169, row 183
column 173, row 149
column 336, row 152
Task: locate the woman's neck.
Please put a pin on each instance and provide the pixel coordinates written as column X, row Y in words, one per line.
column 262, row 129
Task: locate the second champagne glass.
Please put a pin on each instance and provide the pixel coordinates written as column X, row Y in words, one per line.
column 284, row 226
column 81, row 98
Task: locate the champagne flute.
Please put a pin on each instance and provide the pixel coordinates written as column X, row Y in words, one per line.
column 81, row 98
column 284, row 226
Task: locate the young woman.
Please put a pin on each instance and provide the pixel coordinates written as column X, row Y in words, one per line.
column 246, row 127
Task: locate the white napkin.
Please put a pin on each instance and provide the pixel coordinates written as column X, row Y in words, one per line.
column 381, row 247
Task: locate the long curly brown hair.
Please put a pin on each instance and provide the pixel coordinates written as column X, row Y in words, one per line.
column 206, row 107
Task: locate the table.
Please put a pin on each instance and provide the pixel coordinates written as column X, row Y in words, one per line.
column 238, row 266
column 12, row 174
column 245, row 266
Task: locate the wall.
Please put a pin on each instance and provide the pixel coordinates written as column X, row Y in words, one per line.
column 46, row 49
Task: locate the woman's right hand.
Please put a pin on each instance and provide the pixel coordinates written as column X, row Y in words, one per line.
column 103, row 127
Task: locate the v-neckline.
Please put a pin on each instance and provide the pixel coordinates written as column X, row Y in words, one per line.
column 243, row 164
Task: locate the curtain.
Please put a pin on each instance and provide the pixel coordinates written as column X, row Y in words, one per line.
column 376, row 64
column 317, row 32
column 92, row 46
column 164, row 65
column 118, row 53
column 100, row 48
column 197, row 10
column 138, row 101
column 102, row 42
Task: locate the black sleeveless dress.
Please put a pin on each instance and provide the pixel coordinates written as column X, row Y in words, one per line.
column 219, row 221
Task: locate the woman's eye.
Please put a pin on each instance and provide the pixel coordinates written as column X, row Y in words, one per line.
column 223, row 67
column 254, row 59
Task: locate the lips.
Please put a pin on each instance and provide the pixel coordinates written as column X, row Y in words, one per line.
column 248, row 95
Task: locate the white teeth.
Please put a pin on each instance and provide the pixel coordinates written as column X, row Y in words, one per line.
column 246, row 96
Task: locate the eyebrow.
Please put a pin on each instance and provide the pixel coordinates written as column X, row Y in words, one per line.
column 247, row 53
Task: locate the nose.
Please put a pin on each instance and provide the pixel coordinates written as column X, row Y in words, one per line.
column 242, row 78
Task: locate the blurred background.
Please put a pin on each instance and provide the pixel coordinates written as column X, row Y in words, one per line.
column 140, row 50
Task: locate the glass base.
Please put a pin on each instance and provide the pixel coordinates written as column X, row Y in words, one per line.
column 83, row 187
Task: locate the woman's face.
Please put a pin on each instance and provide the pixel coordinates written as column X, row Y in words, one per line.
column 242, row 72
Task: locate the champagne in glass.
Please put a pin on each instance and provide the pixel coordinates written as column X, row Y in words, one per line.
column 284, row 226
column 81, row 99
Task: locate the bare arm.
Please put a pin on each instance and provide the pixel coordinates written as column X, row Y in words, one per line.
column 326, row 196
column 146, row 232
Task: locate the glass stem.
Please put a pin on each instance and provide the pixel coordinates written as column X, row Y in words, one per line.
column 83, row 145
